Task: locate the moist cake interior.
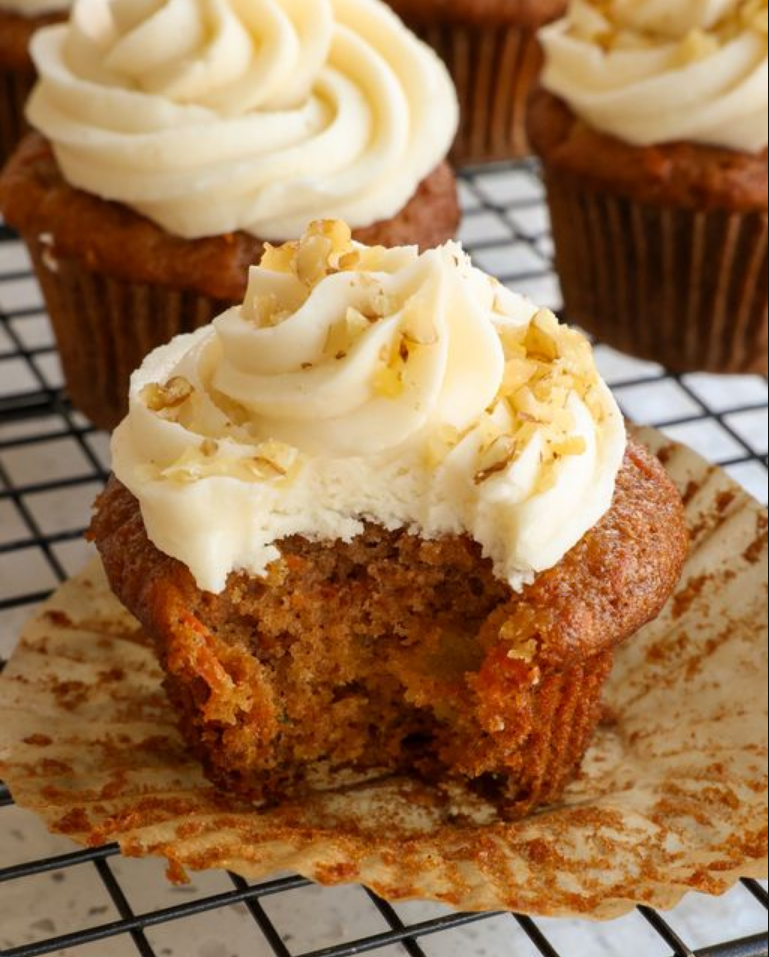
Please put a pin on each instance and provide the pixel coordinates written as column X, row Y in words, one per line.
column 366, row 654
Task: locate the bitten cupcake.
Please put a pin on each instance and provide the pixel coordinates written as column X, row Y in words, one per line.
column 19, row 19
column 180, row 137
column 384, row 517
column 491, row 49
column 652, row 128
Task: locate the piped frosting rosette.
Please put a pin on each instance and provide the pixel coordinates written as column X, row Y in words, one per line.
column 656, row 71
column 211, row 116
column 361, row 384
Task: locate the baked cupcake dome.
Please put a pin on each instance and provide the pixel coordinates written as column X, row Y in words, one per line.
column 491, row 49
column 181, row 142
column 391, row 551
column 19, row 19
column 660, row 215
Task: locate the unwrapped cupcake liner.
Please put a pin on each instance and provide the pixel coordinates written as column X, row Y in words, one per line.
column 683, row 287
column 15, row 87
column 672, row 796
column 494, row 68
column 105, row 327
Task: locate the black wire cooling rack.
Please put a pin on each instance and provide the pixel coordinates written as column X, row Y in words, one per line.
column 52, row 463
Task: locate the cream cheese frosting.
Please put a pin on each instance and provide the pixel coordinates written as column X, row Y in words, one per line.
column 212, row 116
column 35, row 8
column 657, row 71
column 361, row 384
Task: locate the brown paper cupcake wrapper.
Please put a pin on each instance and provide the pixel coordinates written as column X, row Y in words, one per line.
column 494, row 69
column 15, row 87
column 105, row 327
column 683, row 287
column 672, row 796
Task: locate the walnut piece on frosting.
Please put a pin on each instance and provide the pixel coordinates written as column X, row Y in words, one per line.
column 546, row 364
column 599, row 22
column 327, row 247
column 165, row 398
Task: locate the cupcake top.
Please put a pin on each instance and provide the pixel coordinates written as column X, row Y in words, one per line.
column 659, row 71
column 35, row 8
column 212, row 116
column 363, row 384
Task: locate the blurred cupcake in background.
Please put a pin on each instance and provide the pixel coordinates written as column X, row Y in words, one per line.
column 491, row 49
column 18, row 21
column 178, row 138
column 652, row 128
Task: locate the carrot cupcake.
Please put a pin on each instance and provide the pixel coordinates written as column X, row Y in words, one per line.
column 19, row 19
column 383, row 516
column 176, row 141
column 491, row 49
column 652, row 128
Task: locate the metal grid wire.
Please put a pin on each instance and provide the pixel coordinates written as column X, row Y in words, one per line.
column 52, row 462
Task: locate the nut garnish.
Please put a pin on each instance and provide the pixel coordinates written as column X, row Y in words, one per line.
column 496, row 458
column 754, row 14
column 273, row 459
column 267, row 311
column 599, row 22
column 698, row 45
column 547, row 365
column 419, row 327
column 326, row 248
column 160, row 398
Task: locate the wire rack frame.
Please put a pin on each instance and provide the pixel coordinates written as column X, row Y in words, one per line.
column 506, row 230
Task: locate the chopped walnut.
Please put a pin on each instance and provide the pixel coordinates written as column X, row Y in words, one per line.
column 697, row 46
column 273, row 459
column 495, row 458
column 326, row 247
column 754, row 14
column 419, row 327
column 160, row 398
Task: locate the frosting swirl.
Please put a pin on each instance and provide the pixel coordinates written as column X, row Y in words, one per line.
column 35, row 8
column 658, row 71
column 212, row 116
column 357, row 384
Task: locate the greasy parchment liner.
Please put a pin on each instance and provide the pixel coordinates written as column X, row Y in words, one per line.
column 672, row 796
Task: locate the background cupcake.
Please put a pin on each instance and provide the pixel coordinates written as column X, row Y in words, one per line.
column 492, row 51
column 652, row 127
column 18, row 21
column 174, row 147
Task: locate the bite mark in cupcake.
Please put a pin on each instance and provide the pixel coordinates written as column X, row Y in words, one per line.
column 388, row 523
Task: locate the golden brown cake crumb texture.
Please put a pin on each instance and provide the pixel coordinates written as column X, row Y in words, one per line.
column 396, row 653
column 687, row 175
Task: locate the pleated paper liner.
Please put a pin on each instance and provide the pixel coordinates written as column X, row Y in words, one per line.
column 105, row 327
column 682, row 287
column 494, row 68
column 15, row 87
column 672, row 796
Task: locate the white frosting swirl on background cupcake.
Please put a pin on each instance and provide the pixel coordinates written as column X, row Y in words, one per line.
column 657, row 71
column 35, row 8
column 212, row 116
column 359, row 384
